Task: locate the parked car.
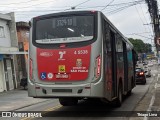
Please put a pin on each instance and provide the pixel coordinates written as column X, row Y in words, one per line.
column 147, row 70
column 140, row 76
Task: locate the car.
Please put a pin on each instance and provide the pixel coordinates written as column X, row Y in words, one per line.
column 147, row 70
column 150, row 63
column 140, row 76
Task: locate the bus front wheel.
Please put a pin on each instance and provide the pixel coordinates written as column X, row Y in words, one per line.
column 68, row 101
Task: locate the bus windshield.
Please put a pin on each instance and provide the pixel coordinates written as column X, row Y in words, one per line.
column 64, row 29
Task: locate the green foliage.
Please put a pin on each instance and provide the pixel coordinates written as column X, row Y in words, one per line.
column 140, row 46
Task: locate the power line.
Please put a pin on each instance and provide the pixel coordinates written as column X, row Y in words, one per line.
column 119, row 9
column 73, row 7
column 54, row 10
column 146, row 20
column 82, row 3
column 18, row 3
column 124, row 7
column 143, row 36
column 34, row 5
column 140, row 16
column 107, row 5
column 68, row 7
column 138, row 33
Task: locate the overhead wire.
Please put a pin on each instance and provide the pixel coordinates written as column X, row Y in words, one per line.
column 127, row 6
column 123, row 6
column 82, row 3
column 74, row 6
column 81, row 7
column 120, row 8
column 68, row 7
column 138, row 33
column 147, row 22
column 17, row 3
column 144, row 36
column 107, row 5
column 34, row 5
column 140, row 18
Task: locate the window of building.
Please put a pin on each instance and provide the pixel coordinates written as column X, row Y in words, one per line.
column 2, row 32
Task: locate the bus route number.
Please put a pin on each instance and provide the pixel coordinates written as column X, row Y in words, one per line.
column 81, row 52
column 64, row 22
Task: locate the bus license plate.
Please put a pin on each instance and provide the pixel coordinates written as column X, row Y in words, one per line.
column 61, row 76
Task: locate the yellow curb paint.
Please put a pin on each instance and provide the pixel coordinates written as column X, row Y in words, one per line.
column 45, row 111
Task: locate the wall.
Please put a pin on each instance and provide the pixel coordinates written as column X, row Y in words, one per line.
column 6, row 40
column 13, row 31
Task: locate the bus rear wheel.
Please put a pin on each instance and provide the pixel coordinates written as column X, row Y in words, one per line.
column 68, row 101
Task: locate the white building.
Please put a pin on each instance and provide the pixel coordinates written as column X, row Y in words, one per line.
column 8, row 49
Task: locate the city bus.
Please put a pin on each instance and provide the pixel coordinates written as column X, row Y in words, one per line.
column 79, row 54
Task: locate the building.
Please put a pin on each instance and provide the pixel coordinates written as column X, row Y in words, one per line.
column 23, row 38
column 8, row 51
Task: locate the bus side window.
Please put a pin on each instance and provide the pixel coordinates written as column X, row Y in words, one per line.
column 107, row 38
column 119, row 48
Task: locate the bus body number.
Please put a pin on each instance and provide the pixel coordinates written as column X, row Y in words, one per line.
column 81, row 52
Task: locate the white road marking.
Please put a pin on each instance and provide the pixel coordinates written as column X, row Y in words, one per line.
column 150, row 105
column 158, row 77
column 158, row 85
column 155, row 86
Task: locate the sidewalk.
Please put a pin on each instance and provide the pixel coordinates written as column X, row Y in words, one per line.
column 156, row 104
column 15, row 99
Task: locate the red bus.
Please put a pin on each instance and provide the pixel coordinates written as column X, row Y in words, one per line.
column 79, row 54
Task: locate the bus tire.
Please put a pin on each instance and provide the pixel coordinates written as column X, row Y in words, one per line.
column 119, row 99
column 68, row 101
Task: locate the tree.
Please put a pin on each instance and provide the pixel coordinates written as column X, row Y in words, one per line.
column 140, row 46
column 148, row 48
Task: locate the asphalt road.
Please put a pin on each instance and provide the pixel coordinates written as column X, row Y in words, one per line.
column 91, row 109
column 138, row 101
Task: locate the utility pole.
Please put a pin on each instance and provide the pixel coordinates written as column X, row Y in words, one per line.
column 153, row 10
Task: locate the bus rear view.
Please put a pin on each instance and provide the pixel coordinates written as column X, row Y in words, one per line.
column 66, row 57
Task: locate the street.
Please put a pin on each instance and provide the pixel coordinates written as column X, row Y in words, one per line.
column 79, row 60
column 141, row 99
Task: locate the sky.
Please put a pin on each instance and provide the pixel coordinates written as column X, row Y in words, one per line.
column 131, row 17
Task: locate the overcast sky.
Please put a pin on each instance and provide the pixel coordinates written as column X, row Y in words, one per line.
column 131, row 17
